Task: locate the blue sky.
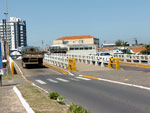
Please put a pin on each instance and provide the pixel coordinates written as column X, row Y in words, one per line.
column 108, row 20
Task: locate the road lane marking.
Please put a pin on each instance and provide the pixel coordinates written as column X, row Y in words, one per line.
column 122, row 83
column 74, row 79
column 63, row 80
column 40, row 81
column 126, row 79
column 29, row 80
column 70, row 73
column 126, row 84
column 90, row 77
column 83, row 78
column 51, row 80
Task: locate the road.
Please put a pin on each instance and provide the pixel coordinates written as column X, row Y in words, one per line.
column 125, row 67
column 97, row 96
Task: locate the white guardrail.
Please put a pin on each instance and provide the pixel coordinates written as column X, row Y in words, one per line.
column 61, row 60
column 140, row 59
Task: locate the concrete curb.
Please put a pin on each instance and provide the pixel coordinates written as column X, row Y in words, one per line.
column 56, row 68
column 23, row 101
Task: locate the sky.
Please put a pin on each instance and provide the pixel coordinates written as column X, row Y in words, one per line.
column 108, row 20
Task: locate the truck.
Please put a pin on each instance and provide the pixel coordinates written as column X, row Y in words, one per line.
column 31, row 56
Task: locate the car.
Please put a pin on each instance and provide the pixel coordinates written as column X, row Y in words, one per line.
column 103, row 54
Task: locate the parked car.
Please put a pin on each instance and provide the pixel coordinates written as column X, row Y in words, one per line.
column 103, row 54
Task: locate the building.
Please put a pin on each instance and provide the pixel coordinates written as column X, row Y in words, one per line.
column 108, row 45
column 15, row 33
column 78, row 44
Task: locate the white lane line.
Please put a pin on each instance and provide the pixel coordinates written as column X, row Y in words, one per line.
column 30, row 81
column 122, row 83
column 126, row 84
column 40, row 81
column 74, row 79
column 51, row 80
column 70, row 73
column 83, row 78
column 63, row 80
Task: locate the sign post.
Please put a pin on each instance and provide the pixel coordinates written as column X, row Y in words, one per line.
column 0, row 80
column 1, row 66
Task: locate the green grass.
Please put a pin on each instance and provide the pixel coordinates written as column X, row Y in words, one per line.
column 40, row 102
column 9, row 77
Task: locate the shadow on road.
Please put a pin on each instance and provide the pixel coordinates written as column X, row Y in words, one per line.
column 35, row 67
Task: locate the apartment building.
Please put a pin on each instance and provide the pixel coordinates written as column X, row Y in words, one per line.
column 14, row 32
column 78, row 44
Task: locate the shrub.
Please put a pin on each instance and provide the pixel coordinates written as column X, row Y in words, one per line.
column 128, row 53
column 77, row 109
column 60, row 100
column 53, row 95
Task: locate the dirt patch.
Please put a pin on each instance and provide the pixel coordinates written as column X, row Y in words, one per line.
column 39, row 101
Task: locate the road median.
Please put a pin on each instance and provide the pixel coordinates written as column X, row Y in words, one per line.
column 39, row 101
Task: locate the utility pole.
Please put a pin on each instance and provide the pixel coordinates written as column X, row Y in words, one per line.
column 42, row 46
column 6, row 32
column 136, row 43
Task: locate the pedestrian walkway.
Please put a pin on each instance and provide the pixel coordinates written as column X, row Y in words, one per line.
column 9, row 101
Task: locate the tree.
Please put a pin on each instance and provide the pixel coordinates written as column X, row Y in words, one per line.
column 119, row 43
column 125, row 44
column 147, row 49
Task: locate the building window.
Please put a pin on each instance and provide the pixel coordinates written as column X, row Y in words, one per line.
column 80, row 41
column 65, row 42
column 86, row 48
column 71, row 48
column 90, row 48
column 76, row 48
column 81, row 48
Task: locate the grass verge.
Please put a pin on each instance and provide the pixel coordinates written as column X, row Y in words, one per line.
column 39, row 101
column 9, row 77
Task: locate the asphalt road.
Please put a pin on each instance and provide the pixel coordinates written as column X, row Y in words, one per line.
column 132, row 68
column 95, row 95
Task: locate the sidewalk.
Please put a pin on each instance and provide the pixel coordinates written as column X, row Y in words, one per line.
column 9, row 102
column 132, row 77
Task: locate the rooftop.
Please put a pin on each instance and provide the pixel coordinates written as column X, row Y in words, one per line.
column 75, row 37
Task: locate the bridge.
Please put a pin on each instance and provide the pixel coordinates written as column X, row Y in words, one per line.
column 95, row 86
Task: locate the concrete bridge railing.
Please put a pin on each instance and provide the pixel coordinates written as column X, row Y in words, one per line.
column 129, row 58
column 61, row 60
column 56, row 60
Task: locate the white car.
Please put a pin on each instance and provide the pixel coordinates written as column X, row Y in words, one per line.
column 103, row 54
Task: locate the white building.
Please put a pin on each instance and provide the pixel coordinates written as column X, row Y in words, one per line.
column 16, row 32
column 79, row 44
